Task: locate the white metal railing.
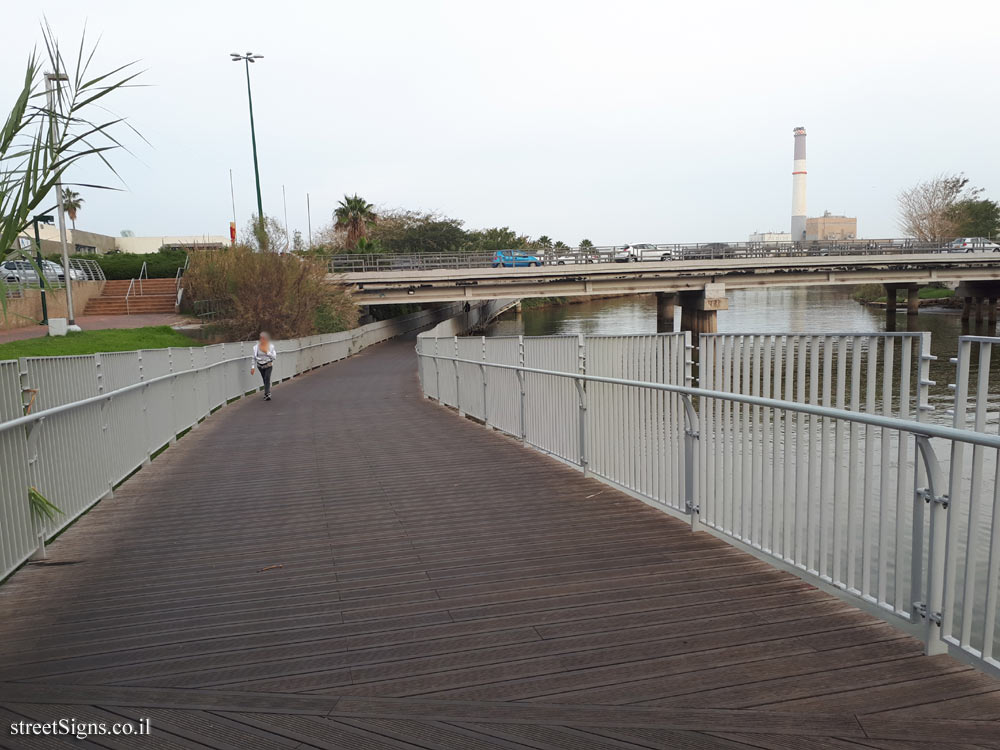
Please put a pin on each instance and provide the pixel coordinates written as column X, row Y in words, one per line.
column 95, row 419
column 825, row 467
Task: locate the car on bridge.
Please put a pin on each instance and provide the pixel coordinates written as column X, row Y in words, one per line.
column 577, row 257
column 972, row 245
column 647, row 251
column 515, row 258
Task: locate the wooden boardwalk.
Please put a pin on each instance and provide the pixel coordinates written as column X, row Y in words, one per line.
column 352, row 566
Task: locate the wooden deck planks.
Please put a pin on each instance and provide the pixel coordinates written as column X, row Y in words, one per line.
column 350, row 565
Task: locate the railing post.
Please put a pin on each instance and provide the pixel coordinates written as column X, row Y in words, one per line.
column 932, row 608
column 458, row 384
column 582, row 419
column 581, row 390
column 437, row 372
column 520, row 380
column 691, row 436
column 482, row 371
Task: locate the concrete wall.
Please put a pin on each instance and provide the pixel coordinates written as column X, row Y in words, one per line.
column 26, row 311
column 479, row 314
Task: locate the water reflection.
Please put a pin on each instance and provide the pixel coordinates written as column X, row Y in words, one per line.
column 772, row 310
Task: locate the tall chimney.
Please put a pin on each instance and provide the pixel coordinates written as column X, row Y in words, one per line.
column 799, row 186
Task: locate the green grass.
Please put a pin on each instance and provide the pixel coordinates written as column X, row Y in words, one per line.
column 89, row 342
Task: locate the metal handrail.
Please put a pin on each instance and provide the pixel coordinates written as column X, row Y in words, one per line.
column 647, row 252
column 128, row 293
column 143, row 272
column 788, row 510
column 925, row 429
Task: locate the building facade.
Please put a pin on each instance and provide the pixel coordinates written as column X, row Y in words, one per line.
column 830, row 227
column 92, row 243
column 770, row 237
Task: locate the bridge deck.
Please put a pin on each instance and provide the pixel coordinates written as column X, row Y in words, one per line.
column 351, row 566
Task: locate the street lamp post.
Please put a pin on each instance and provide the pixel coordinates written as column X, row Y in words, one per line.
column 52, row 81
column 248, row 58
column 44, row 219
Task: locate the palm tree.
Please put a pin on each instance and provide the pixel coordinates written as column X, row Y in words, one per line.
column 354, row 214
column 544, row 241
column 72, row 203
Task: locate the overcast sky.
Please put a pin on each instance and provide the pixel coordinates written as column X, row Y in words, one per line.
column 616, row 121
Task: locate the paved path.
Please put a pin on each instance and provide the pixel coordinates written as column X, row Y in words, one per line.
column 98, row 323
column 351, row 566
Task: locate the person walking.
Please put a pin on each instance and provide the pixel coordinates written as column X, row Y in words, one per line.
column 263, row 358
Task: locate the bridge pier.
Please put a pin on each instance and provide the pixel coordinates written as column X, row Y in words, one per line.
column 666, row 303
column 912, row 298
column 699, row 309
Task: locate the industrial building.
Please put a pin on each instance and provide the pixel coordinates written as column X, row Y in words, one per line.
column 769, row 238
column 831, row 227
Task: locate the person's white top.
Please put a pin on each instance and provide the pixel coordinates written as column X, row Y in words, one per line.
column 263, row 358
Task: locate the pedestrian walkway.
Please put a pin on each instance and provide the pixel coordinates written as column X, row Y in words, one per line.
column 352, row 566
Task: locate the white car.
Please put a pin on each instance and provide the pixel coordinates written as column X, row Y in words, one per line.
column 582, row 257
column 623, row 254
column 972, row 245
column 24, row 272
column 647, row 251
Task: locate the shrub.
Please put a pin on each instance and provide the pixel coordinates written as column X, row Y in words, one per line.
column 287, row 295
column 162, row 264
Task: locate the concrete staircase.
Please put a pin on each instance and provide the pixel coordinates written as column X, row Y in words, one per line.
column 157, row 296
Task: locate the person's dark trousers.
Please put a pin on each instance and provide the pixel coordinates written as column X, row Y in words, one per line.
column 265, row 375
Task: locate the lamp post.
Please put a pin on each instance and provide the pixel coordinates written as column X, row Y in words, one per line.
column 248, row 58
column 44, row 219
column 52, row 81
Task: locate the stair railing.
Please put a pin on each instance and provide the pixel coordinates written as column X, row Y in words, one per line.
column 131, row 288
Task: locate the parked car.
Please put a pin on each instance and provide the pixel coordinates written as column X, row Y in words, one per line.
column 972, row 245
column 24, row 272
column 515, row 258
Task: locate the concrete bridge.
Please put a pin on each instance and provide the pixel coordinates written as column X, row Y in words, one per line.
column 352, row 565
column 698, row 286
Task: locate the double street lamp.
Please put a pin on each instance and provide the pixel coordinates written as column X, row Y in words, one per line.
column 248, row 58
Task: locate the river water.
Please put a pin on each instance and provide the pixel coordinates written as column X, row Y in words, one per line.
column 814, row 310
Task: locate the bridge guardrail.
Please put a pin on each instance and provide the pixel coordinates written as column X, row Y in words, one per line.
column 870, row 508
column 644, row 252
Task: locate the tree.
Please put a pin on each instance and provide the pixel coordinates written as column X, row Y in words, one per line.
column 71, row 204
column 976, row 218
column 264, row 237
column 38, row 144
column 560, row 246
column 927, row 210
column 355, row 215
column 496, row 238
column 402, row 231
column 543, row 242
column 586, row 244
